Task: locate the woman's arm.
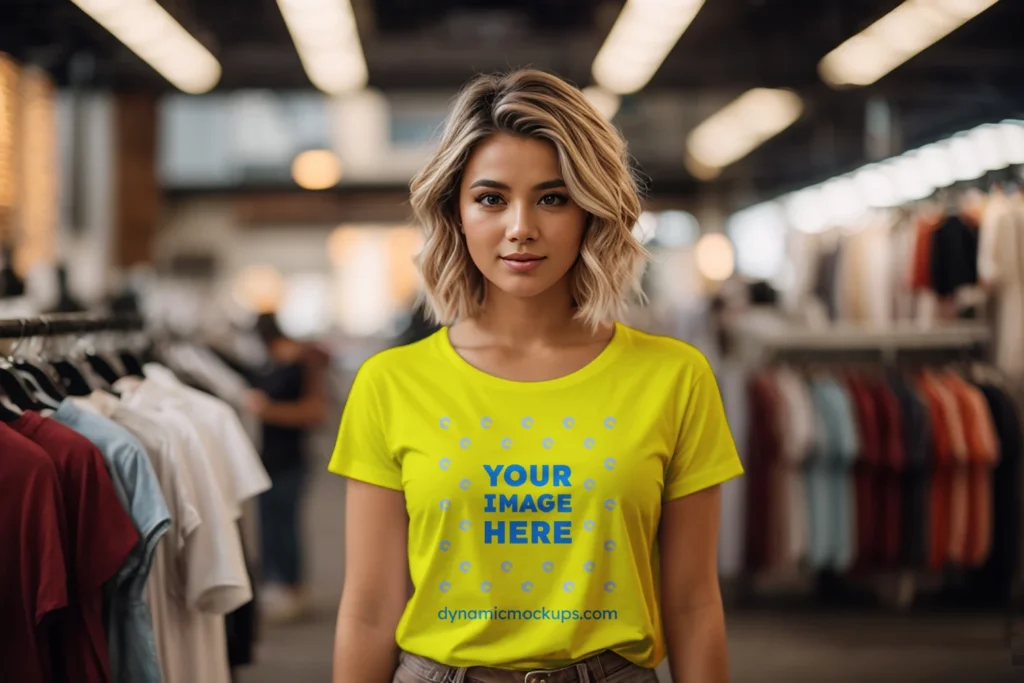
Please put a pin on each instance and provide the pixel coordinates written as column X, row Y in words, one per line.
column 376, row 584
column 691, row 600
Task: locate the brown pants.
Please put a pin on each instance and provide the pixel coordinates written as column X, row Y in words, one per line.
column 606, row 667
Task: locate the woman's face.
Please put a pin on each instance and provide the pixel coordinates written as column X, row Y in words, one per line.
column 522, row 229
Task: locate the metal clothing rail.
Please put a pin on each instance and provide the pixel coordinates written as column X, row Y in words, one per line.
column 69, row 323
column 767, row 335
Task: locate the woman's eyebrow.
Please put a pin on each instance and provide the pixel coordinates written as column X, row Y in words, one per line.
column 494, row 184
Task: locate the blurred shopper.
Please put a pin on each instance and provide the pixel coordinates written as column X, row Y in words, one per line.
column 536, row 465
column 289, row 398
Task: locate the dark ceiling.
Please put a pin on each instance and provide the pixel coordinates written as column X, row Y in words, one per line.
column 975, row 75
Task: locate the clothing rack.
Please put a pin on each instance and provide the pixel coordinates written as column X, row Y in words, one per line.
column 765, row 337
column 69, row 323
column 117, row 435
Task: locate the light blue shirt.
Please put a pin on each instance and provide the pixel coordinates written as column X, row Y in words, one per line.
column 830, row 483
column 130, row 637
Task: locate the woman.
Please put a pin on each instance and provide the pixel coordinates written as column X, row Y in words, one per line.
column 534, row 466
column 289, row 398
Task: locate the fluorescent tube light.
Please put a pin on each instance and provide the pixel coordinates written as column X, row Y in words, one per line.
column 151, row 33
column 909, row 177
column 639, row 41
column 894, row 39
column 327, row 40
column 739, row 128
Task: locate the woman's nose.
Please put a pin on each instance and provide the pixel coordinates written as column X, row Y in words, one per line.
column 522, row 226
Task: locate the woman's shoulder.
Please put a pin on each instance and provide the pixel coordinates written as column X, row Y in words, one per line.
column 662, row 349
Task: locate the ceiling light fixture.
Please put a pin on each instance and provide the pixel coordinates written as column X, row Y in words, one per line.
column 908, row 177
column 739, row 128
column 894, row 39
column 316, row 169
column 716, row 259
column 151, row 33
column 639, row 41
column 327, row 40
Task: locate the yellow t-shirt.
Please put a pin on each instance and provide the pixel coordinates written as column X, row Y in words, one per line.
column 534, row 506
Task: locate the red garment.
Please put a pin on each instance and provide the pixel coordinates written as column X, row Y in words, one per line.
column 940, row 491
column 890, row 424
column 33, row 577
column 764, row 447
column 99, row 537
column 866, row 474
column 921, row 269
column 983, row 455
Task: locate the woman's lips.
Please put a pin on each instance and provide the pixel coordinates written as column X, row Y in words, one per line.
column 522, row 264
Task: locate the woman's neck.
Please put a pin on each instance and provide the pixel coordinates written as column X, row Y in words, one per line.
column 521, row 322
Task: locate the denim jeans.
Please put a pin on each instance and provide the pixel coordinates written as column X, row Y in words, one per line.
column 606, row 667
column 280, row 528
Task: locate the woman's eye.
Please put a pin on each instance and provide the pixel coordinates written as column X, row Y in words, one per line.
column 553, row 199
column 489, row 199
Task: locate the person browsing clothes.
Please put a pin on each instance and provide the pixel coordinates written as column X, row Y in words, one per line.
column 289, row 399
column 546, row 475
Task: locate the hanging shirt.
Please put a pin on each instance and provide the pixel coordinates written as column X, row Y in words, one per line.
column 797, row 435
column 215, row 580
column 830, row 483
column 1001, row 268
column 248, row 476
column 33, row 574
column 954, row 256
column 534, row 506
column 129, row 625
column 100, row 537
column 915, row 436
column 179, row 575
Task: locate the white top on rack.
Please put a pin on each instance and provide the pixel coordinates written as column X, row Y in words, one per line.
column 767, row 330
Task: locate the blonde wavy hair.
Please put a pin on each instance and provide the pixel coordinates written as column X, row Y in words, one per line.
column 597, row 173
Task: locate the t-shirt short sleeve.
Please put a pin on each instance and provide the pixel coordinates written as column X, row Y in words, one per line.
column 705, row 453
column 106, row 534
column 41, row 539
column 361, row 451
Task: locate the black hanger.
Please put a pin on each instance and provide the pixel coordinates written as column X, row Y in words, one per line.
column 72, row 378
column 20, row 391
column 29, row 380
column 131, row 364
column 42, row 381
column 102, row 368
column 16, row 390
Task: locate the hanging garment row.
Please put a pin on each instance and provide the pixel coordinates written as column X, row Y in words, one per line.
column 857, row 471
column 122, row 489
column 922, row 262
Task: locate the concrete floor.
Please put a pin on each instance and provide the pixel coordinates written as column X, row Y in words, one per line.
column 764, row 648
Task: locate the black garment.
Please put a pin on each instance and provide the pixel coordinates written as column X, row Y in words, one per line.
column 916, row 429
column 283, row 447
column 994, row 580
column 241, row 625
column 954, row 256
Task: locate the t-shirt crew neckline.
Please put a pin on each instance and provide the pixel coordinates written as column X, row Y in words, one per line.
column 606, row 357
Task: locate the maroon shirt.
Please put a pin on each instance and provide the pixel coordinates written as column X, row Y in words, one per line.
column 33, row 577
column 99, row 537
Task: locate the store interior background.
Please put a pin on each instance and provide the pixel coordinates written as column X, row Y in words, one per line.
column 214, row 161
